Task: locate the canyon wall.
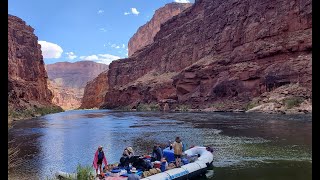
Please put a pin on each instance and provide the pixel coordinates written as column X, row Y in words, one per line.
column 145, row 34
column 95, row 91
column 68, row 80
column 65, row 97
column 223, row 51
column 27, row 77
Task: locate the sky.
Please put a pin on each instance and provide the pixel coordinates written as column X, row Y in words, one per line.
column 75, row 30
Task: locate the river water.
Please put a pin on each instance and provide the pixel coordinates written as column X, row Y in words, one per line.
column 246, row 145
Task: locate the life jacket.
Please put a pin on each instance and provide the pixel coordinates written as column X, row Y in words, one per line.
column 177, row 147
column 100, row 155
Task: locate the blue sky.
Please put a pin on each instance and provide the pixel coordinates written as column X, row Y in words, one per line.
column 73, row 30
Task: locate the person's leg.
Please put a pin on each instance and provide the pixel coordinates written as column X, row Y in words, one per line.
column 179, row 160
column 100, row 168
column 176, row 160
column 97, row 171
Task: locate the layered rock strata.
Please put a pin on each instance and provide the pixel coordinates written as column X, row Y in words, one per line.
column 226, row 51
column 27, row 77
column 68, row 81
column 95, row 91
column 145, row 34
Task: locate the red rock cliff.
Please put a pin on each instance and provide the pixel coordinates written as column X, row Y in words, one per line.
column 95, row 91
column 145, row 34
column 27, row 77
column 65, row 97
column 68, row 81
column 223, row 50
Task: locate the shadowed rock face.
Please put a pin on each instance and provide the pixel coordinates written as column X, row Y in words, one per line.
column 221, row 50
column 146, row 33
column 95, row 92
column 27, row 77
column 68, row 81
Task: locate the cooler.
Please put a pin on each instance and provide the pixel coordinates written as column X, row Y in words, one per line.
column 167, row 153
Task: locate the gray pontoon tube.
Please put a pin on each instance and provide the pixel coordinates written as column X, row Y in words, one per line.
column 189, row 170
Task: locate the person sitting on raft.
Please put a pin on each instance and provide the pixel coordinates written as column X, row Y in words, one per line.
column 210, row 149
column 128, row 152
column 98, row 159
column 156, row 153
column 126, row 156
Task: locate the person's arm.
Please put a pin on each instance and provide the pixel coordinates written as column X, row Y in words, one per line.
column 105, row 160
column 125, row 152
column 95, row 160
column 130, row 154
column 160, row 152
column 172, row 145
column 153, row 154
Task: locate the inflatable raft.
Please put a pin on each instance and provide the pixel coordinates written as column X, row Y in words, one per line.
column 187, row 171
column 200, row 166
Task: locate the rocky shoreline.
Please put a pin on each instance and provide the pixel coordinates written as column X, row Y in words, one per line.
column 287, row 99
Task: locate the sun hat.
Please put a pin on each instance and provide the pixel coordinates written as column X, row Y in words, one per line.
column 100, row 147
column 134, row 170
column 130, row 149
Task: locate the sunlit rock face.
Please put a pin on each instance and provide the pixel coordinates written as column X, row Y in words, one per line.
column 146, row 33
column 226, row 51
column 95, row 91
column 68, row 81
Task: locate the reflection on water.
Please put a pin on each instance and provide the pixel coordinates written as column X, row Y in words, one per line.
column 244, row 143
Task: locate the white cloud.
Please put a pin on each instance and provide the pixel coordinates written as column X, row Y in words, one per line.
column 50, row 50
column 103, row 29
column 91, row 57
column 100, row 58
column 126, row 13
column 182, row 1
column 135, row 11
column 117, row 46
column 71, row 55
column 100, row 11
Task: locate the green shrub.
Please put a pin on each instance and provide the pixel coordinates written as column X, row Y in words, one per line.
column 250, row 105
column 47, row 110
column 31, row 112
column 292, row 102
column 84, row 173
column 217, row 105
column 154, row 107
column 123, row 108
column 183, row 107
column 142, row 107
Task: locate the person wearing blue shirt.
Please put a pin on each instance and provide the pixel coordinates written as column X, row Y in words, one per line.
column 157, row 153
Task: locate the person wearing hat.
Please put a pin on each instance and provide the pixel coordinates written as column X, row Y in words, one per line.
column 126, row 156
column 99, row 158
column 128, row 152
column 133, row 175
